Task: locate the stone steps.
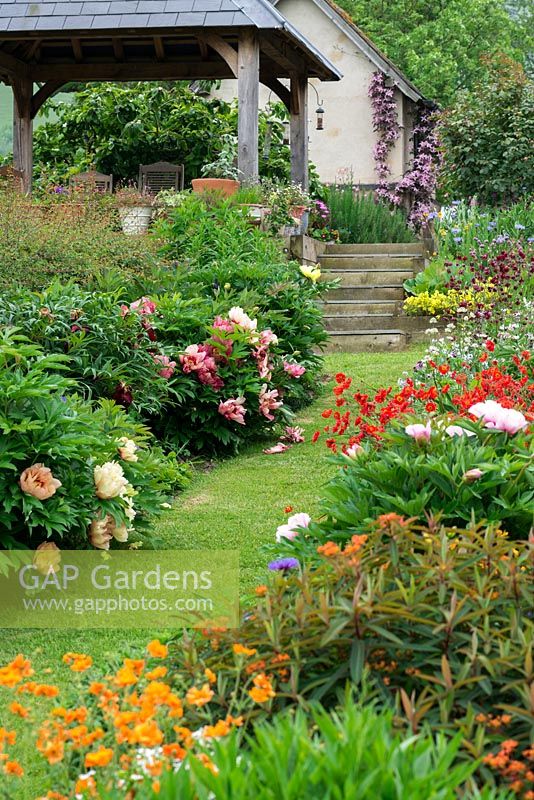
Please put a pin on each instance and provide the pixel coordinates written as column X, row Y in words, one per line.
column 364, row 313
column 372, row 278
column 370, row 263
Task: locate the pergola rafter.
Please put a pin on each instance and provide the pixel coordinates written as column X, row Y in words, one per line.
column 216, row 39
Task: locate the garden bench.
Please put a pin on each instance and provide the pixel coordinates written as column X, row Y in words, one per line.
column 154, row 178
column 93, row 180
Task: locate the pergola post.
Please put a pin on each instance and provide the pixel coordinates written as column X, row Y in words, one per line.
column 23, row 130
column 298, row 130
column 248, row 84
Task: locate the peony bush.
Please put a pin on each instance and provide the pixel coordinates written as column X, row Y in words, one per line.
column 72, row 473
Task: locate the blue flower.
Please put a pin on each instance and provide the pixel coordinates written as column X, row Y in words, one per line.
column 458, row 239
column 519, row 227
column 284, row 564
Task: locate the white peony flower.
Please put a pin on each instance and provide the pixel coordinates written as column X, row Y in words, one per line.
column 109, row 480
column 127, row 449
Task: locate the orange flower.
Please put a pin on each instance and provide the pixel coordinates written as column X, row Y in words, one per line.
column 86, row 784
column 262, row 690
column 99, row 758
column 13, row 768
column 158, row 672
column 7, row 737
column 261, row 590
column 78, row 662
column 174, row 751
column 221, row 728
column 241, row 650
column 53, row 751
column 157, row 650
column 156, row 787
column 18, row 709
column 211, row 676
column 14, row 672
column 328, row 549
column 38, row 689
column 97, row 688
column 199, row 697
column 125, row 677
column 147, row 734
column 71, row 715
column 208, row 763
column 137, row 665
column 185, row 735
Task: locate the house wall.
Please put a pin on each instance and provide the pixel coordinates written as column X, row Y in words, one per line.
column 347, row 141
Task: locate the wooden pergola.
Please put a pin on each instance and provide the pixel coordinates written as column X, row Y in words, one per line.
column 44, row 46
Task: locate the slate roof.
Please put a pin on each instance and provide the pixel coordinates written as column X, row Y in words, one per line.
column 22, row 16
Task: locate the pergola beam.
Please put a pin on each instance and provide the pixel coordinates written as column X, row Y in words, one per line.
column 139, row 71
column 223, row 48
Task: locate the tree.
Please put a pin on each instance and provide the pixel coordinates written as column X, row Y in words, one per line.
column 439, row 43
column 487, row 136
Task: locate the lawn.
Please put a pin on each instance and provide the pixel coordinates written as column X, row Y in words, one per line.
column 236, row 505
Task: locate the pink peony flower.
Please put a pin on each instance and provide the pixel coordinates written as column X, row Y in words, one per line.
column 233, row 409
column 223, row 324
column 193, row 358
column 499, row 418
column 242, row 320
column 457, row 430
column 143, row 306
column 472, row 475
column 295, row 370
column 167, row 364
column 267, row 337
column 39, row 482
column 354, row 451
column 268, row 401
column 419, row 432
column 293, row 434
column 292, row 527
column 277, row 448
column 264, row 365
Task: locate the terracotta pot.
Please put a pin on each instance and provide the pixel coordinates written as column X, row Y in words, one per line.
column 224, row 186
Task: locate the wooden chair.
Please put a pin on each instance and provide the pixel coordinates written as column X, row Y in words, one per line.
column 14, row 178
column 94, row 180
column 161, row 175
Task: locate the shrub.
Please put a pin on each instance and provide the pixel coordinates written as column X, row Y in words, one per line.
column 359, row 217
column 435, row 621
column 175, row 363
column 487, row 136
column 41, row 242
column 51, row 445
column 454, row 477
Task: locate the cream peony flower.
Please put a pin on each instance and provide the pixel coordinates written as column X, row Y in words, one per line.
column 39, row 482
column 127, row 450
column 47, row 557
column 102, row 531
column 109, row 480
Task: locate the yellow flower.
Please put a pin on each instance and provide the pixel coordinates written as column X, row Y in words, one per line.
column 313, row 274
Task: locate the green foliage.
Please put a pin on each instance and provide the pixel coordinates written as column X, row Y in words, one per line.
column 416, row 479
column 487, row 136
column 360, row 217
column 353, row 752
column 41, row 424
column 117, row 127
column 434, row 622
column 47, row 240
column 439, row 45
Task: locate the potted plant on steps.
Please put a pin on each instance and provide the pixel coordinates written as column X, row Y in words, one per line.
column 221, row 175
column 135, row 209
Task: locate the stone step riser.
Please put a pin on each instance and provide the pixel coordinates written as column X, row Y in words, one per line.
column 367, row 293
column 368, row 278
column 370, row 341
column 354, row 324
column 374, row 249
column 370, row 262
column 359, row 308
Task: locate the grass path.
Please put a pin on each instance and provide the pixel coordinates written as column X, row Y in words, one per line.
column 237, row 505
